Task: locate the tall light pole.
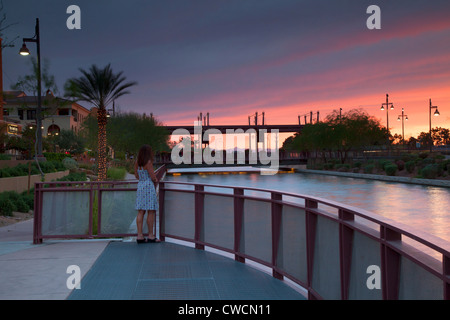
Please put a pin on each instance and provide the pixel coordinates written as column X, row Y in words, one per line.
column 404, row 117
column 436, row 114
column 387, row 104
column 25, row 52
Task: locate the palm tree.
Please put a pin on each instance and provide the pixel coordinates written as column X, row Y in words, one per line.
column 99, row 87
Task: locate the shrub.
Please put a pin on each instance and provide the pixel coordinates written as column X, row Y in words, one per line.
column 22, row 205
column 6, row 206
column 328, row 166
column 430, row 171
column 357, row 164
column 390, row 169
column 369, row 168
column 69, row 163
column 400, row 165
column 28, row 198
column 74, row 176
column 410, row 166
column 118, row 173
column 383, row 163
column 423, row 155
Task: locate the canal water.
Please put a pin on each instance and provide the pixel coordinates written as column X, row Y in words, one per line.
column 424, row 208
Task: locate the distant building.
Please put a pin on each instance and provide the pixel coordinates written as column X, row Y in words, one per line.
column 58, row 114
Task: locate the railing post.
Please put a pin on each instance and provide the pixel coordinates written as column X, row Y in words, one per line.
column 311, row 223
column 238, row 224
column 345, row 250
column 276, row 232
column 162, row 225
column 91, row 208
column 37, row 223
column 446, row 275
column 199, row 211
column 390, row 264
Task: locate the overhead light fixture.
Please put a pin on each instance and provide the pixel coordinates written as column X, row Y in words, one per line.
column 24, row 50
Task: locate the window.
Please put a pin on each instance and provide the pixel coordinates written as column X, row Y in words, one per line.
column 31, row 114
column 20, row 111
column 63, row 112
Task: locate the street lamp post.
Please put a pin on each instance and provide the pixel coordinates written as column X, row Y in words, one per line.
column 25, row 52
column 436, row 114
column 404, row 117
column 387, row 104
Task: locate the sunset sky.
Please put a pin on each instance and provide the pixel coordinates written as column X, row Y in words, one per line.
column 232, row 58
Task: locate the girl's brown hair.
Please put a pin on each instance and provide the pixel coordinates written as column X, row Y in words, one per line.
column 145, row 154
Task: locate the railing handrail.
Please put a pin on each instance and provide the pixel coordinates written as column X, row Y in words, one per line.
column 436, row 243
column 389, row 235
column 432, row 241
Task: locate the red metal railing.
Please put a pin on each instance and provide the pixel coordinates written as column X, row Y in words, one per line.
column 95, row 189
column 387, row 234
column 323, row 246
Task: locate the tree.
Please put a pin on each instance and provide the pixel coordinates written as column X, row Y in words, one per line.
column 354, row 130
column 440, row 136
column 99, row 87
column 127, row 132
column 69, row 141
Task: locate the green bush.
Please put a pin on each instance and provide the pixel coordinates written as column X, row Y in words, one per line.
column 12, row 201
column 328, row 166
column 369, row 168
column 6, row 206
column 28, row 198
column 22, row 205
column 410, row 166
column 390, row 169
column 116, row 173
column 430, row 171
column 74, row 176
column 69, row 163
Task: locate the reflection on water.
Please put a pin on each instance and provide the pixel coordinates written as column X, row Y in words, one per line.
column 422, row 207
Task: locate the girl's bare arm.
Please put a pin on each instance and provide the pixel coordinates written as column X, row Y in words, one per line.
column 151, row 172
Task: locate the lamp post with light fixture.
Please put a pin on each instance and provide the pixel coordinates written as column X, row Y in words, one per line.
column 436, row 114
column 391, row 105
column 25, row 52
column 403, row 118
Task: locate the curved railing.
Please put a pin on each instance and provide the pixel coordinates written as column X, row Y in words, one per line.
column 332, row 250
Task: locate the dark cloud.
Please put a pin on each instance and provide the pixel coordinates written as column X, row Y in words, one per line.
column 232, row 56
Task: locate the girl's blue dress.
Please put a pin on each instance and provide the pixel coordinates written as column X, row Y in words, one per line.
column 146, row 198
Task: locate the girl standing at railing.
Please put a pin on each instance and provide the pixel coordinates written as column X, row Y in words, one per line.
column 146, row 199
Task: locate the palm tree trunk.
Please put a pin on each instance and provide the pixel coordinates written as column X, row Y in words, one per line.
column 101, row 120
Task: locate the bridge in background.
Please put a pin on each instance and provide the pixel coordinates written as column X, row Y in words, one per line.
column 286, row 128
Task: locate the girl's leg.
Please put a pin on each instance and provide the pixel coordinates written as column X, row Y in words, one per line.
column 140, row 223
column 151, row 223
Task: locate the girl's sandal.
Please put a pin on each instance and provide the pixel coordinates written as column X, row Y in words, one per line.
column 154, row 240
column 141, row 240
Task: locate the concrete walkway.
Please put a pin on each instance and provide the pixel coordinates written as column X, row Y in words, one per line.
column 31, row 272
column 161, row 271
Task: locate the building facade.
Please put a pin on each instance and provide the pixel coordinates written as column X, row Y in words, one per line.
column 58, row 114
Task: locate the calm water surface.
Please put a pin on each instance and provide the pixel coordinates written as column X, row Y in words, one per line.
column 422, row 207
